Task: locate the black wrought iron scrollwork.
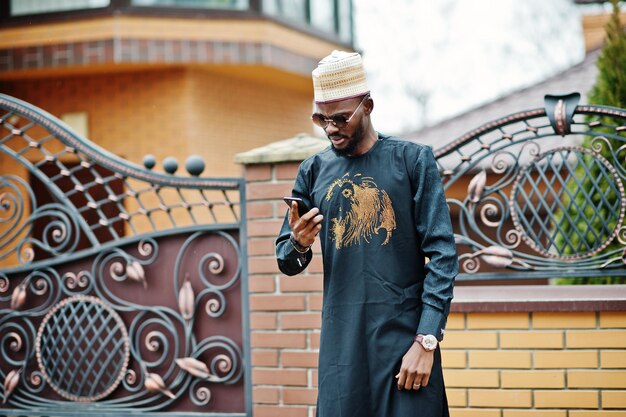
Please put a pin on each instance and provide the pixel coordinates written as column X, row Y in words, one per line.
column 19, row 212
column 103, row 310
column 601, row 218
column 533, row 206
column 86, row 321
column 82, row 349
column 223, row 367
column 96, row 196
column 210, row 265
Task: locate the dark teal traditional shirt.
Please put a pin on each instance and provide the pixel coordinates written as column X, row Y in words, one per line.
column 384, row 213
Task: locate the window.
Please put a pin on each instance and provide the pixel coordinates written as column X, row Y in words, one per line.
column 26, row 7
column 345, row 20
column 330, row 16
column 289, row 9
column 323, row 15
column 198, row 4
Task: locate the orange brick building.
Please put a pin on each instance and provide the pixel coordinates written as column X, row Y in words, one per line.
column 138, row 77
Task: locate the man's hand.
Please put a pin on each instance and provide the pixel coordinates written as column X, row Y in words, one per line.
column 305, row 228
column 416, row 366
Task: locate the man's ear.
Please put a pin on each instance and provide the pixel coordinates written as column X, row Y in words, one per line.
column 369, row 105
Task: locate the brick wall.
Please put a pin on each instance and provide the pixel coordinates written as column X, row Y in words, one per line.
column 536, row 364
column 554, row 361
column 166, row 112
column 285, row 311
column 174, row 112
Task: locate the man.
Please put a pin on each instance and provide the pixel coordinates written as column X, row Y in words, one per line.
column 378, row 206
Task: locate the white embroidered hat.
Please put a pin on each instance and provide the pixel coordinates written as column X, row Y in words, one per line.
column 339, row 76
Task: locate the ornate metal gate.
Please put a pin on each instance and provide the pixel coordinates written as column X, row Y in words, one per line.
column 528, row 201
column 121, row 290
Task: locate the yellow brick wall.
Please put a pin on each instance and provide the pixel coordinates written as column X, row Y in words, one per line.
column 536, row 364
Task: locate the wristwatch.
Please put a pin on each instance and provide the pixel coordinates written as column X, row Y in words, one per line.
column 428, row 341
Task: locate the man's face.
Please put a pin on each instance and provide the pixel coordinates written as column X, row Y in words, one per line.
column 345, row 139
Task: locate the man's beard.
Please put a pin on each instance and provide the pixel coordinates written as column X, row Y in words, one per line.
column 354, row 141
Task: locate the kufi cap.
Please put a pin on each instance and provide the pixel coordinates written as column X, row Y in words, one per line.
column 339, row 76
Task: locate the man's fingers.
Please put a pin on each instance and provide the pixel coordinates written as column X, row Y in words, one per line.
column 293, row 214
column 307, row 221
column 411, row 381
column 408, row 384
column 417, row 383
column 310, row 228
column 314, row 223
column 421, row 381
column 310, row 214
column 401, row 379
column 306, row 227
column 415, row 369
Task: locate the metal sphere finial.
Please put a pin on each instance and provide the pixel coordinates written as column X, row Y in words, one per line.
column 170, row 164
column 149, row 161
column 194, row 165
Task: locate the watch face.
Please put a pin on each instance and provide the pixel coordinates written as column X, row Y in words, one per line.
column 429, row 342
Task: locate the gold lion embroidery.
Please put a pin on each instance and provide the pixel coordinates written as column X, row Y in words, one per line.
column 370, row 211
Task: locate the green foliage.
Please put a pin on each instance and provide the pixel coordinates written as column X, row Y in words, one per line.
column 609, row 90
column 610, row 86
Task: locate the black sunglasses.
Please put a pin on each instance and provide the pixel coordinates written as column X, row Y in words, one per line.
column 338, row 120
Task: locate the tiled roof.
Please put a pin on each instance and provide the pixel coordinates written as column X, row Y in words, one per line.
column 579, row 78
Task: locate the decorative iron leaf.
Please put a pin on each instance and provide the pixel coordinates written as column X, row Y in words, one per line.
column 10, row 382
column 476, row 187
column 497, row 256
column 18, row 298
column 154, row 383
column 186, row 301
column 195, row 367
column 135, row 271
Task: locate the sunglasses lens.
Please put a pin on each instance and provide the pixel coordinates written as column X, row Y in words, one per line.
column 319, row 120
column 340, row 120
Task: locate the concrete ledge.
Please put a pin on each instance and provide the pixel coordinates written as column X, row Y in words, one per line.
column 530, row 298
column 293, row 149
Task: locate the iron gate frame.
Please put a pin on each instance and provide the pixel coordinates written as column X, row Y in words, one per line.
column 91, row 154
column 560, row 117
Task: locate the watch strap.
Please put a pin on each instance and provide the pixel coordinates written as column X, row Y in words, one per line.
column 419, row 338
column 298, row 247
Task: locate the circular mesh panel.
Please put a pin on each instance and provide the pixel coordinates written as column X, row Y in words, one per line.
column 567, row 203
column 82, row 348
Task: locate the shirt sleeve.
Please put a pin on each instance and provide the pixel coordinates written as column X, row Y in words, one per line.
column 290, row 261
column 434, row 232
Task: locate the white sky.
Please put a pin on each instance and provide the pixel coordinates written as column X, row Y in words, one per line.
column 458, row 54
